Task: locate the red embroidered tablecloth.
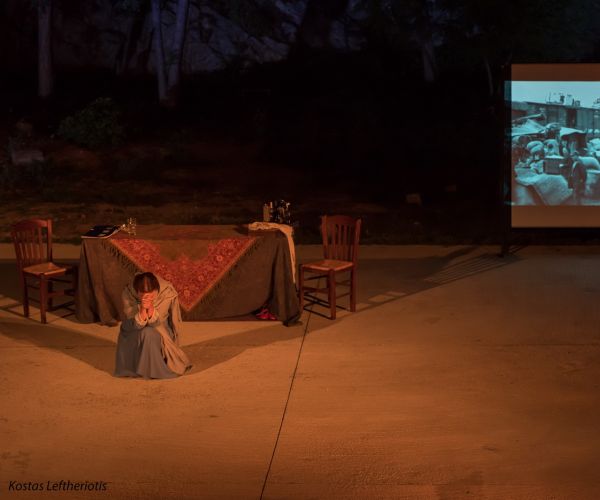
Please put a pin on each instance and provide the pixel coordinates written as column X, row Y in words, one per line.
column 192, row 279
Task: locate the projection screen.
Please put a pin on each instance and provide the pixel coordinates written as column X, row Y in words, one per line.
column 554, row 135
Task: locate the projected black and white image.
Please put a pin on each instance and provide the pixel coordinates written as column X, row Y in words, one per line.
column 555, row 143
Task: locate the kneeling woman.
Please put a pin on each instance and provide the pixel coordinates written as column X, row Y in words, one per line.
column 148, row 339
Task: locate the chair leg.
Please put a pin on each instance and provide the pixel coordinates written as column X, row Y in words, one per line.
column 332, row 292
column 43, row 298
column 352, row 290
column 25, row 297
column 301, row 287
column 49, row 301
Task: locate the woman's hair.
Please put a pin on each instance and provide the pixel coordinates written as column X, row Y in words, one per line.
column 145, row 283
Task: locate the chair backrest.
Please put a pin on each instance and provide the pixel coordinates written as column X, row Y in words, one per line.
column 341, row 235
column 33, row 241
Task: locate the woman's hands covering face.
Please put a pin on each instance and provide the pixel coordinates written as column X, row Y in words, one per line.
column 146, row 306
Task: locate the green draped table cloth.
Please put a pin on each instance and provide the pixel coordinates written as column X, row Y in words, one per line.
column 218, row 271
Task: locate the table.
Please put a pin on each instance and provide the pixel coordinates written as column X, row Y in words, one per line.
column 218, row 271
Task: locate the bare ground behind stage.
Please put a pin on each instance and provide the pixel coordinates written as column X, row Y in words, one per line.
column 186, row 178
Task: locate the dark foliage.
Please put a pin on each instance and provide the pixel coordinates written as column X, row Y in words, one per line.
column 97, row 125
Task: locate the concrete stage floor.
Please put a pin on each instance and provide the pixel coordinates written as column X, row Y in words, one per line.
column 462, row 375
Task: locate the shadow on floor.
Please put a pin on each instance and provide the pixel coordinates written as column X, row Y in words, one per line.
column 9, row 284
column 100, row 353
column 94, row 351
column 392, row 279
column 389, row 280
column 205, row 355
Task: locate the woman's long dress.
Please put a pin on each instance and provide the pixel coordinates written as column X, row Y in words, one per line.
column 149, row 348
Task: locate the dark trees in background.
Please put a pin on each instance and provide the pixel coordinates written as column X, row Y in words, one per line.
column 176, row 53
column 45, row 68
column 425, row 32
column 168, row 56
column 460, row 36
column 493, row 34
column 485, row 34
column 137, row 12
column 424, row 40
column 418, row 18
column 319, row 15
column 167, row 49
column 410, row 25
column 159, row 54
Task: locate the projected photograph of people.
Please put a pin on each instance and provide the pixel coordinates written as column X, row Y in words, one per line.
column 555, row 143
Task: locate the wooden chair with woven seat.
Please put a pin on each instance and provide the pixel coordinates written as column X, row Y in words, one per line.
column 33, row 248
column 341, row 235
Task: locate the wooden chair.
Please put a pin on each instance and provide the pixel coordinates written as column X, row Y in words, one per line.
column 33, row 247
column 340, row 235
